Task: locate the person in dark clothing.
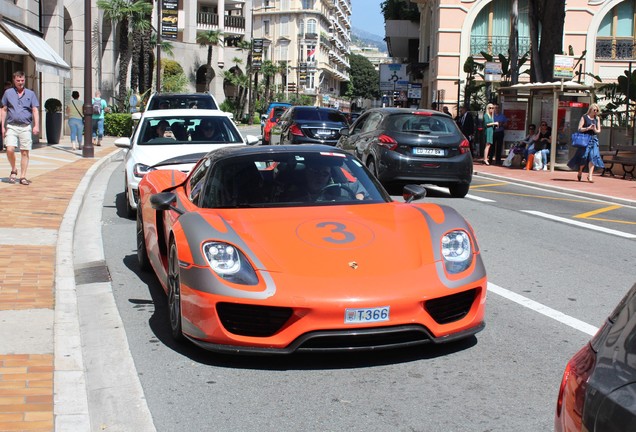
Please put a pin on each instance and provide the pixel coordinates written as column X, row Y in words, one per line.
column 467, row 125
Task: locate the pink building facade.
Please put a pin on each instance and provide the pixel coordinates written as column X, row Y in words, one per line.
column 452, row 30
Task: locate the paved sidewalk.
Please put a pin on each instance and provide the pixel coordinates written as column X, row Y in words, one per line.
column 41, row 369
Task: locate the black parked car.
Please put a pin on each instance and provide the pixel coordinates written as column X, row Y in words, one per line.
column 309, row 125
column 598, row 390
column 401, row 145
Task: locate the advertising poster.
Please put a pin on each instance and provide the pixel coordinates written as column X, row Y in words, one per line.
column 515, row 112
column 393, row 77
column 257, row 53
column 169, row 20
column 563, row 67
column 492, row 72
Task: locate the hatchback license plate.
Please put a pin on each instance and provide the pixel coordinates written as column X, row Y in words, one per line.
column 366, row 315
column 428, row 151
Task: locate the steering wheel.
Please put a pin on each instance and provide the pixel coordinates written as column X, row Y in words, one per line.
column 333, row 192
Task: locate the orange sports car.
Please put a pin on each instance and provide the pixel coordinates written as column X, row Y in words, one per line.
column 299, row 248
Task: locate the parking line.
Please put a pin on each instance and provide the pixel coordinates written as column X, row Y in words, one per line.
column 581, row 224
column 543, row 309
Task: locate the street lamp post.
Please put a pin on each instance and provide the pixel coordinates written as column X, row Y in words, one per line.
column 159, row 6
column 88, row 150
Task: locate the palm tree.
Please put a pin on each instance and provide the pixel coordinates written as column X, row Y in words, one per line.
column 208, row 39
column 127, row 14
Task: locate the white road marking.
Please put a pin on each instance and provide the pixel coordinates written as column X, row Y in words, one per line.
column 543, row 310
column 581, row 224
column 478, row 198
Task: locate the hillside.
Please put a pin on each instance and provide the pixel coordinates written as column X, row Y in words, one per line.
column 364, row 38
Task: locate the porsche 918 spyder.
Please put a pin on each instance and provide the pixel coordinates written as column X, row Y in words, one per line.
column 278, row 249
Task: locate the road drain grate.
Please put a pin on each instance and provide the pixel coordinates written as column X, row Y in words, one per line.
column 92, row 272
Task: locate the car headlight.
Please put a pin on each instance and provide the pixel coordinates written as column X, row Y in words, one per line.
column 229, row 263
column 140, row 170
column 457, row 251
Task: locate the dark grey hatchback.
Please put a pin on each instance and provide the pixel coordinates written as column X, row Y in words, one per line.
column 309, row 125
column 401, row 145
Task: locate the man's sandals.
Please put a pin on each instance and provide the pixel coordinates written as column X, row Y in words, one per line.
column 24, row 181
column 13, row 176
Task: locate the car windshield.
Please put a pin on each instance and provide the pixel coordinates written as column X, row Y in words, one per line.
column 324, row 115
column 188, row 130
column 181, row 102
column 422, row 124
column 290, row 179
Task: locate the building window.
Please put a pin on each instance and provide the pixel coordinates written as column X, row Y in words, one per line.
column 491, row 29
column 301, row 28
column 284, row 26
column 615, row 37
column 308, row 4
column 311, row 26
column 266, row 27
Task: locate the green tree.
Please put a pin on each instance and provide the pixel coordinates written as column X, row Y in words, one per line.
column 400, row 10
column 209, row 39
column 129, row 15
column 364, row 78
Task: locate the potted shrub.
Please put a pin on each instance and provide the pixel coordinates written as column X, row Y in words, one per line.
column 54, row 119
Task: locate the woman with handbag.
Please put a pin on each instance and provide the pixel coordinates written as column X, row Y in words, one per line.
column 589, row 155
column 75, row 120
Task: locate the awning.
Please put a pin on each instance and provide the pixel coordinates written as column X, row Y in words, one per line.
column 46, row 59
column 8, row 47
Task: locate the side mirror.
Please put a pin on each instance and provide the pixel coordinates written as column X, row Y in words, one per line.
column 123, row 143
column 344, row 132
column 412, row 192
column 252, row 139
column 163, row 201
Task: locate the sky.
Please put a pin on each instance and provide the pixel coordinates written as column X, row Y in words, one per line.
column 366, row 15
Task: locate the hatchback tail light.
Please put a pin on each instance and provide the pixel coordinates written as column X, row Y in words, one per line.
column 464, row 147
column 571, row 399
column 295, row 130
column 387, row 142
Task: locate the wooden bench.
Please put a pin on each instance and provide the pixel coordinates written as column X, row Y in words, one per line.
column 623, row 156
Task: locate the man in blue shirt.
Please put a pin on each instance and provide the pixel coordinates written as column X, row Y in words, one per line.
column 20, row 108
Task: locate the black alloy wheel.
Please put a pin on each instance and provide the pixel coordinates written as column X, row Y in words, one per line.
column 174, row 294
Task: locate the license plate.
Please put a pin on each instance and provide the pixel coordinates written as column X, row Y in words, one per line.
column 366, row 315
column 428, row 151
column 323, row 132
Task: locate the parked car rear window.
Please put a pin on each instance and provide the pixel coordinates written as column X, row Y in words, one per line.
column 413, row 123
column 182, row 102
column 319, row 115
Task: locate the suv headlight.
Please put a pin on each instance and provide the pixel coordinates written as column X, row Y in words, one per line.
column 457, row 251
column 229, row 263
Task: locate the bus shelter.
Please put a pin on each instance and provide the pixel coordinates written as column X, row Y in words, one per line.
column 560, row 104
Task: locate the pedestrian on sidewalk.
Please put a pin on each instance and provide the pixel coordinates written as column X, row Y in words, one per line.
column 490, row 125
column 99, row 108
column 499, row 134
column 20, row 118
column 590, row 155
column 75, row 120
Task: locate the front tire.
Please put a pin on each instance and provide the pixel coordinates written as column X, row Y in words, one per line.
column 459, row 190
column 142, row 252
column 130, row 212
column 174, row 294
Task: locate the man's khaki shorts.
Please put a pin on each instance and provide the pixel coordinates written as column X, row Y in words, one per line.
column 19, row 136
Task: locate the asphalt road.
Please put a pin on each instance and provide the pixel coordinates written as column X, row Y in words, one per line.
column 551, row 284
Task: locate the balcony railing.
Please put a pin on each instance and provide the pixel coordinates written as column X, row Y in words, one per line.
column 209, row 19
column 496, row 45
column 615, row 49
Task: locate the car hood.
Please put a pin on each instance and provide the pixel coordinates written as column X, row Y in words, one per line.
column 153, row 154
column 391, row 242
